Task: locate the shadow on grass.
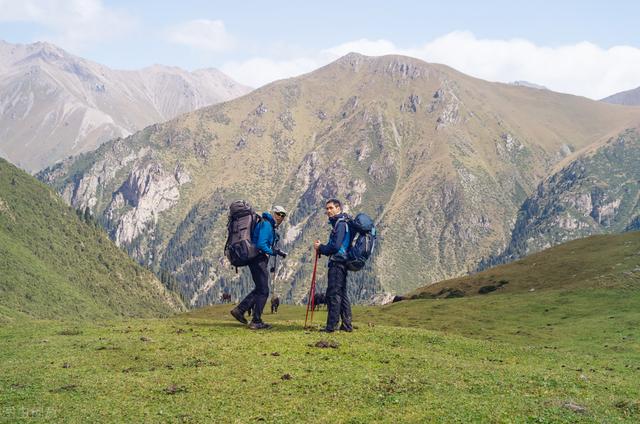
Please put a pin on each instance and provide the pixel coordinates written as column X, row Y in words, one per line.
column 277, row 327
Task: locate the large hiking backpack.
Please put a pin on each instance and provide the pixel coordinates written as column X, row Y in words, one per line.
column 239, row 248
column 362, row 243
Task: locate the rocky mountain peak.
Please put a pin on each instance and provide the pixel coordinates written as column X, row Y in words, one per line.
column 396, row 66
column 352, row 59
column 48, row 48
column 46, row 52
column 54, row 104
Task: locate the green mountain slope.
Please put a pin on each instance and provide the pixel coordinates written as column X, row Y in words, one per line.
column 603, row 261
column 443, row 162
column 54, row 265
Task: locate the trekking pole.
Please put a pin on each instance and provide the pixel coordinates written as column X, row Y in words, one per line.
column 273, row 278
column 312, row 292
column 313, row 296
column 273, row 271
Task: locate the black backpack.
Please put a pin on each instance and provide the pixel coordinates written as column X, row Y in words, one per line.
column 362, row 243
column 239, row 248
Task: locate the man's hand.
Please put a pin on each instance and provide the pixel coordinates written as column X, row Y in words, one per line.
column 316, row 245
column 281, row 253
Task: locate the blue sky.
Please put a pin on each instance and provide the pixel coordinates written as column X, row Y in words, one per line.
column 587, row 48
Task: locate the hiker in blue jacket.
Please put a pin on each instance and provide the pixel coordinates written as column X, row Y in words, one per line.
column 337, row 297
column 265, row 238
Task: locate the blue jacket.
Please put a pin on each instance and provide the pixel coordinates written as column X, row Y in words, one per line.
column 264, row 235
column 339, row 239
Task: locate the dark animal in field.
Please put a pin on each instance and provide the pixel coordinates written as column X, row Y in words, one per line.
column 398, row 299
column 275, row 302
column 491, row 287
column 319, row 300
column 225, row 298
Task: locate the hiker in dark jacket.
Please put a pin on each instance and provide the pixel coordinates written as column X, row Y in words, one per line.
column 264, row 237
column 337, row 298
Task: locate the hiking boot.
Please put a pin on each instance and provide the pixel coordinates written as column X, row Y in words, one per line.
column 259, row 326
column 345, row 328
column 235, row 312
column 327, row 330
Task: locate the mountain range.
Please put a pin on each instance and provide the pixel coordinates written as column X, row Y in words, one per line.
column 54, row 104
column 443, row 161
column 629, row 98
column 460, row 174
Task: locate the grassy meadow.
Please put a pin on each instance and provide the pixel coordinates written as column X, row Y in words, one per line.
column 557, row 342
column 529, row 357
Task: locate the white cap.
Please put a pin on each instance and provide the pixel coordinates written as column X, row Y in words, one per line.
column 279, row 209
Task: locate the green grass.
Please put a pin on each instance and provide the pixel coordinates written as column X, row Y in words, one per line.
column 602, row 261
column 594, row 321
column 454, row 360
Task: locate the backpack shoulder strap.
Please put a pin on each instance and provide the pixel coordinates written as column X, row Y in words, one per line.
column 346, row 242
column 229, row 224
column 343, row 219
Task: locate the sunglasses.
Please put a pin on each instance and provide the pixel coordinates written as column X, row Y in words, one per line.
column 281, row 215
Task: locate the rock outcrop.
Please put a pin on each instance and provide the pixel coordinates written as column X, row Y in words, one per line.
column 146, row 193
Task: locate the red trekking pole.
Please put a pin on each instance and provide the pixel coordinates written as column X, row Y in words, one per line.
column 312, row 292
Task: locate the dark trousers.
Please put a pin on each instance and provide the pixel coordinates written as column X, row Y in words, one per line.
column 337, row 298
column 257, row 298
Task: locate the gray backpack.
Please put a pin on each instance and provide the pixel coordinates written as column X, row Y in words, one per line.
column 239, row 248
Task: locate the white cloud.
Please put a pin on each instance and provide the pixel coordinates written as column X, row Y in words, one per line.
column 202, row 34
column 258, row 71
column 583, row 68
column 72, row 24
